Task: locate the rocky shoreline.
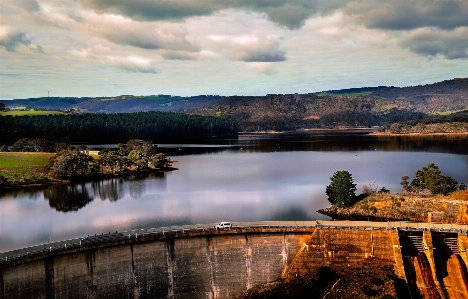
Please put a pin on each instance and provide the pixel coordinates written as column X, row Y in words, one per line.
column 400, row 207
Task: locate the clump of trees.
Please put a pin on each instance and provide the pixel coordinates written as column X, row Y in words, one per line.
column 429, row 180
column 38, row 145
column 341, row 191
column 135, row 155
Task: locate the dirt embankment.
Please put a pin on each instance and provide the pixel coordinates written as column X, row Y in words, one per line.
column 374, row 278
column 400, row 207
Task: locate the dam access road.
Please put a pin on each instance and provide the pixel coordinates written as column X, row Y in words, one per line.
column 197, row 261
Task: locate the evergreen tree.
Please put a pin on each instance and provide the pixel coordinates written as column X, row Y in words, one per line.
column 341, row 191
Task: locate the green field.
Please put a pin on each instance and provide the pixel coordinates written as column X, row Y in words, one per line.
column 23, row 168
column 449, row 112
column 28, row 112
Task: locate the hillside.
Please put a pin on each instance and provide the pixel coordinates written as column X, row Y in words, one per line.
column 358, row 107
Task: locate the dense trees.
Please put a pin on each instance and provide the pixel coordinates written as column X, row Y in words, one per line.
column 341, row 191
column 430, row 178
column 114, row 127
column 2, row 106
column 71, row 163
column 135, row 155
column 37, row 145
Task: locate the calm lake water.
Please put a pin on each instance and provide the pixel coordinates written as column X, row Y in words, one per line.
column 252, row 178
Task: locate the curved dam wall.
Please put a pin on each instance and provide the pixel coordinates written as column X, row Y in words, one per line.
column 222, row 264
column 216, row 265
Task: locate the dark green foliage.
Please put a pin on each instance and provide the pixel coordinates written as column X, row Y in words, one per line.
column 114, row 127
column 35, row 145
column 160, row 161
column 68, row 164
column 430, row 178
column 111, row 161
column 2, row 106
column 462, row 186
column 3, row 148
column 341, row 191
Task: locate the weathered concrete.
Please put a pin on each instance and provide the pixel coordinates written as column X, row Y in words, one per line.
column 206, row 266
column 221, row 264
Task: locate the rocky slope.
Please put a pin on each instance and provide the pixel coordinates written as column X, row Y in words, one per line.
column 401, row 207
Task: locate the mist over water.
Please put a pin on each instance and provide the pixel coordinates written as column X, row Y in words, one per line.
column 253, row 178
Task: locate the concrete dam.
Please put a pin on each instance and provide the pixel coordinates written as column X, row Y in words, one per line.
column 199, row 262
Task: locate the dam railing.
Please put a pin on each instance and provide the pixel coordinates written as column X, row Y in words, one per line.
column 259, row 226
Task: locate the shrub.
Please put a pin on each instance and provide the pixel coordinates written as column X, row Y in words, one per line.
column 430, row 178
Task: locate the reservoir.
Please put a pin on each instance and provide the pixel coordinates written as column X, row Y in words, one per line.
column 278, row 176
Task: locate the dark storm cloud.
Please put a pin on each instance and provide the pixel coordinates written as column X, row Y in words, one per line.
column 408, row 15
column 393, row 15
column 451, row 45
column 291, row 14
column 13, row 40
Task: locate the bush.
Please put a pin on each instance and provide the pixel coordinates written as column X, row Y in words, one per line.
column 430, row 178
column 3, row 180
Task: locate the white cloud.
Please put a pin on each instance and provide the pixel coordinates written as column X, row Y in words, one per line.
column 132, row 63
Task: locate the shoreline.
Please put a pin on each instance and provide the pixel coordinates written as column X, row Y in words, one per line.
column 306, row 130
column 87, row 178
column 418, row 134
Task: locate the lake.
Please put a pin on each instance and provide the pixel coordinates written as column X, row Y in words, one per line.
column 255, row 177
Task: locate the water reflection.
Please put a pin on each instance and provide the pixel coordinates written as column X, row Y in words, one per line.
column 66, row 198
column 110, row 189
column 291, row 214
column 73, row 197
column 352, row 141
column 137, row 186
column 273, row 177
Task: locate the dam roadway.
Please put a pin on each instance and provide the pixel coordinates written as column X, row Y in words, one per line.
column 197, row 261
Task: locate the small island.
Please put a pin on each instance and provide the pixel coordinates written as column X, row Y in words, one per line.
column 36, row 162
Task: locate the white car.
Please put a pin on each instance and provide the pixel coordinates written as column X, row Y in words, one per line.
column 223, row 225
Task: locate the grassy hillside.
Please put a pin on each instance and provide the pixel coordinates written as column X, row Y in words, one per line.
column 363, row 106
column 28, row 112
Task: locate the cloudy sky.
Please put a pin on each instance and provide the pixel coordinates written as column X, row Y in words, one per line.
column 226, row 47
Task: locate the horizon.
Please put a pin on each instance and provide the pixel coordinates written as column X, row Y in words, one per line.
column 215, row 95
column 94, row 48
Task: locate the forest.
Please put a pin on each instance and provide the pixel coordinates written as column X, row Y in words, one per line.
column 115, row 127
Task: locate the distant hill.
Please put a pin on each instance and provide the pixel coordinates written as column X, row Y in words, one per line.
column 364, row 106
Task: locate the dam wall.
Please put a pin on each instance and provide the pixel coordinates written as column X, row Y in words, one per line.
column 218, row 265
column 204, row 263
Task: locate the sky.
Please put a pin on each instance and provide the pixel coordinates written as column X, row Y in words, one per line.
column 226, row 47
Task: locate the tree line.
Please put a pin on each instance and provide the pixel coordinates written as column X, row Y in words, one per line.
column 116, row 127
